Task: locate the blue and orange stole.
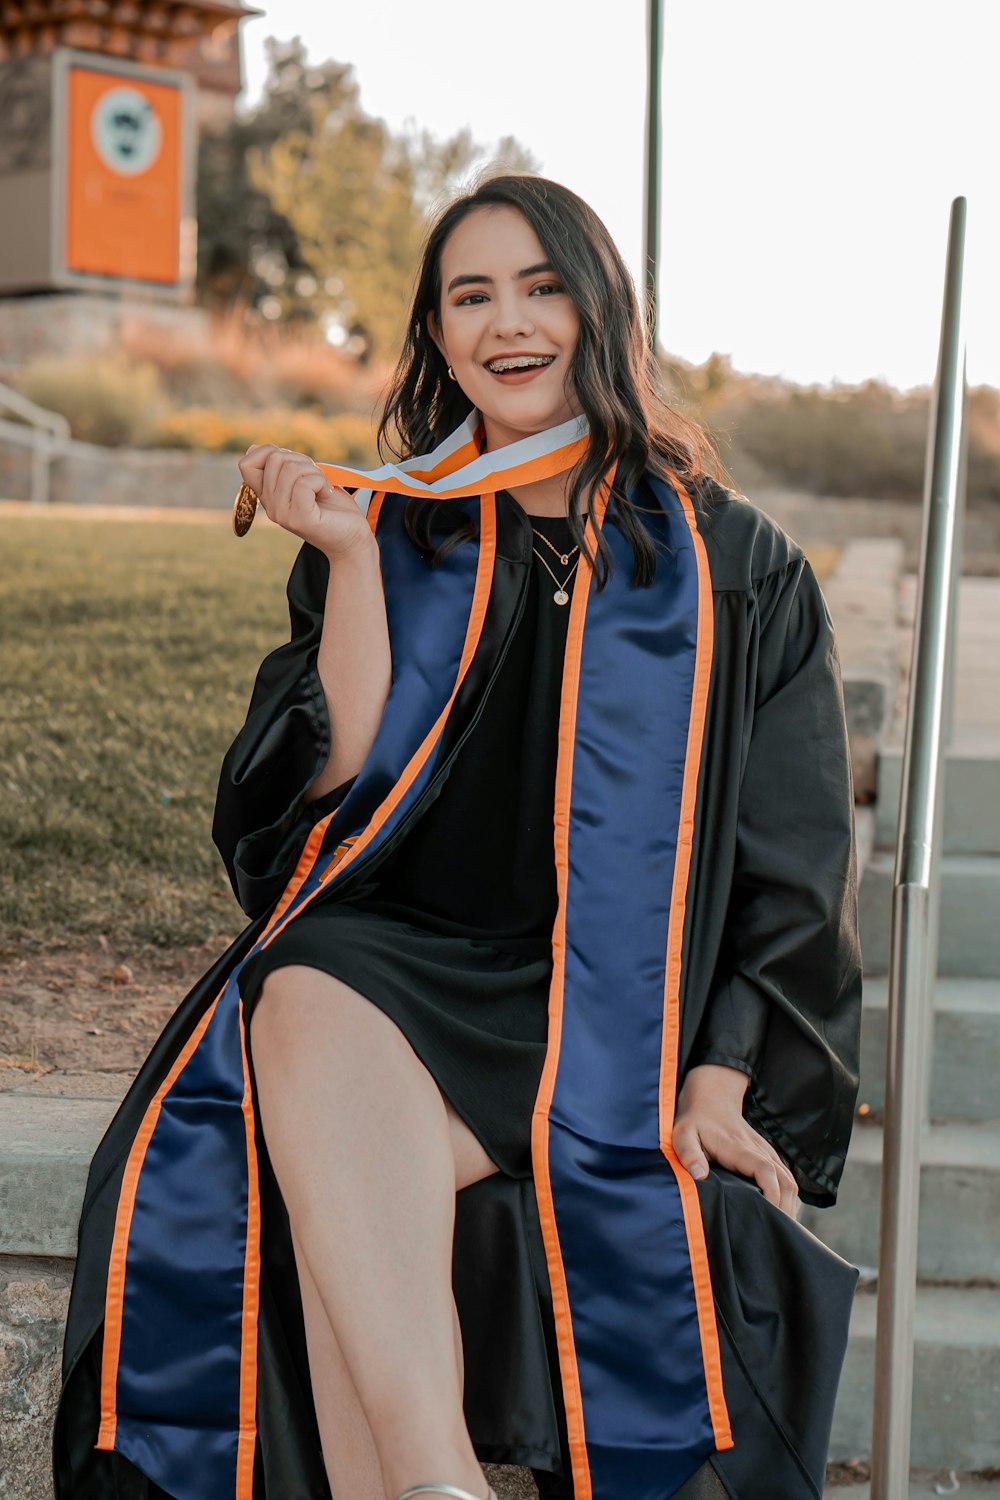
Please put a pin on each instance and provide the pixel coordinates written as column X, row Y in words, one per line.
column 624, row 1241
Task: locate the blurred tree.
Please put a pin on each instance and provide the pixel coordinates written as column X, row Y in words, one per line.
column 311, row 208
column 244, row 242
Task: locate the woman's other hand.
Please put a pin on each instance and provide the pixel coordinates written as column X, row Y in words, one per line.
column 295, row 494
column 709, row 1126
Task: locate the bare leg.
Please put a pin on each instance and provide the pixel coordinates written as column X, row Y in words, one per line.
column 349, row 1450
column 360, row 1141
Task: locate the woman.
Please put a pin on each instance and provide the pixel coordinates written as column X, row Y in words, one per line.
column 543, row 819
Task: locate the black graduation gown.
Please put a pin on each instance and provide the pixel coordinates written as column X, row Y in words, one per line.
column 770, row 983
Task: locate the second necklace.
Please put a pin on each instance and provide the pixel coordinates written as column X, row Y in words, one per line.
column 560, row 595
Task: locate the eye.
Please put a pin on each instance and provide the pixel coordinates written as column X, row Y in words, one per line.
column 462, row 300
column 547, row 286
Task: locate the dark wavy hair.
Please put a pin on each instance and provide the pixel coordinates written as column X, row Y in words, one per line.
column 613, row 371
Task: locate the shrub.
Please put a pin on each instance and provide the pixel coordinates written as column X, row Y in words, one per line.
column 225, row 362
column 190, row 363
column 105, row 398
column 310, row 373
column 868, row 439
column 348, row 437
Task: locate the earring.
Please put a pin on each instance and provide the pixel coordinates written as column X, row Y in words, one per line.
column 451, row 373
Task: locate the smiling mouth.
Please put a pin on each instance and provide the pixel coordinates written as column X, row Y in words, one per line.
column 504, row 364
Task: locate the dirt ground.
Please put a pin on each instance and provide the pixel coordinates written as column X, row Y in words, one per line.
column 91, row 1009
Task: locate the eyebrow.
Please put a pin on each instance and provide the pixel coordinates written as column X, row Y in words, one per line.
column 476, row 280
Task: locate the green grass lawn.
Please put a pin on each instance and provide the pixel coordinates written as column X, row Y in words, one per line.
column 129, row 653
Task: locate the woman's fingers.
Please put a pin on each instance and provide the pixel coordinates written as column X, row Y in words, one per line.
column 295, row 493
column 274, row 473
column 740, row 1150
column 687, row 1144
column 251, row 465
column 789, row 1202
column 788, row 1188
column 281, row 469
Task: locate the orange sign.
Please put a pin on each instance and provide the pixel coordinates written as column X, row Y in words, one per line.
column 123, row 176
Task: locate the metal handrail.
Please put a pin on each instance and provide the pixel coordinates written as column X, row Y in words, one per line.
column 46, row 434
column 913, row 942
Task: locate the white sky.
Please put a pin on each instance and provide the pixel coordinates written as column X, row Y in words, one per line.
column 810, row 153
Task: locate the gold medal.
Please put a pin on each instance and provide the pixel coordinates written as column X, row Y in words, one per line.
column 244, row 509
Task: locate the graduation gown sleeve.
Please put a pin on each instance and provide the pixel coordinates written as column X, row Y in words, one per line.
column 262, row 819
column 785, row 1003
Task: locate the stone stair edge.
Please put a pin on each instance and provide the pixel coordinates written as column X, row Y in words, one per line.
column 862, row 593
column 921, row 1488
column 956, row 1375
column 953, row 993
column 973, row 1144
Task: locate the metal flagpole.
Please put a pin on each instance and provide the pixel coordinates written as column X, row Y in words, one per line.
column 652, row 205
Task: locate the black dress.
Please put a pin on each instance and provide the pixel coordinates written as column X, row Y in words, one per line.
column 452, row 936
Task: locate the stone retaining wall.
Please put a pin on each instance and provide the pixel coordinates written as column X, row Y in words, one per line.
column 34, row 1295
column 86, row 322
column 87, row 474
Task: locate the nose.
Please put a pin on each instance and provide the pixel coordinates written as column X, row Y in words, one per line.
column 511, row 317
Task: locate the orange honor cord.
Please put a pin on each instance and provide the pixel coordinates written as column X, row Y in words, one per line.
column 690, row 1203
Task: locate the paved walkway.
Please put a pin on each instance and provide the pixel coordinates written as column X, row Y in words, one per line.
column 58, row 510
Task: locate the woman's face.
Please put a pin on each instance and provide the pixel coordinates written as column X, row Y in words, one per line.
column 500, row 300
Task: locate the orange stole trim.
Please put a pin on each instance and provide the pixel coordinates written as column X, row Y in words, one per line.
column 456, row 460
column 528, row 472
column 115, row 1299
column 565, row 1341
column 246, row 1442
column 477, row 614
column 312, row 845
column 690, row 1204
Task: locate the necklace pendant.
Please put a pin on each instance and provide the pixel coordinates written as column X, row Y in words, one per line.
column 564, row 558
column 561, row 596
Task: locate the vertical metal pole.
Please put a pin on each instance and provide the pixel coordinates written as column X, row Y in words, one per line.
column 654, row 52
column 915, row 895
column 39, row 466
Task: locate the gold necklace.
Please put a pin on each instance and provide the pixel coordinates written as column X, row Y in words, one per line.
column 560, row 595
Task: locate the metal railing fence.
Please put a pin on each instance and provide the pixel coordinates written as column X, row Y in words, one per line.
column 44, row 432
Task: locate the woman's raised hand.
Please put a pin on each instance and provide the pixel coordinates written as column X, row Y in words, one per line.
column 296, row 494
column 709, row 1125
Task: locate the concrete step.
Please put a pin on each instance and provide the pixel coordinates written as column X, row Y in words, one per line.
column 47, row 1146
column 969, row 943
column 956, row 1385
column 48, row 1140
column 924, row 1485
column 965, row 1071
column 971, row 800
column 959, row 1190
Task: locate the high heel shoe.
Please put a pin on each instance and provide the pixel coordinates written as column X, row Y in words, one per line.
column 444, row 1489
